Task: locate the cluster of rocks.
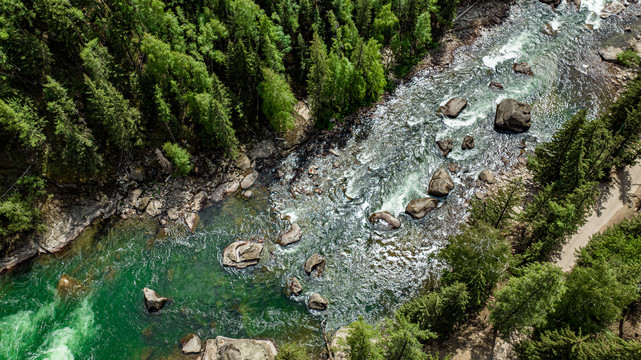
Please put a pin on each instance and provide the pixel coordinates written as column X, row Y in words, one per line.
column 223, row 348
column 446, row 145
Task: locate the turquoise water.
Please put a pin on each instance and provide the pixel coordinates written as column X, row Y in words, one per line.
column 369, row 270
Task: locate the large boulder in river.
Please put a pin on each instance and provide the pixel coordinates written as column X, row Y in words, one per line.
column 523, row 68
column 241, row 254
column 314, row 262
column 418, row 208
column 68, row 286
column 441, row 183
column 317, row 302
column 393, row 222
column 223, row 348
column 468, row 143
column 293, row 235
column 453, row 107
column 445, row 146
column 513, row 115
column 153, row 301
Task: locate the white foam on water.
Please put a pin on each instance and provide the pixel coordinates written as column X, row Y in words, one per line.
column 512, row 50
column 594, row 7
column 63, row 342
column 555, row 24
column 17, row 331
column 396, row 201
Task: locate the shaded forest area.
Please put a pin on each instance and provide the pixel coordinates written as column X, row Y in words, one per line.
column 87, row 84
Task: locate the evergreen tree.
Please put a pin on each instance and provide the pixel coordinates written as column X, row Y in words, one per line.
column 527, row 299
column 363, row 341
column 278, row 100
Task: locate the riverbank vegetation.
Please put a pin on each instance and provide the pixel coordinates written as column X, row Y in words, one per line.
column 500, row 260
column 85, row 86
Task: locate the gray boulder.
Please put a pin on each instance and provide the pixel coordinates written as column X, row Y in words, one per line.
column 249, row 180
column 153, row 302
column 512, row 115
column 242, row 162
column 393, row 222
column 293, row 235
column 317, row 302
column 315, row 262
column 610, row 53
column 468, row 143
column 263, row 149
column 192, row 219
column 223, row 348
column 294, row 286
column 453, row 107
column 613, row 8
column 154, row 208
column 418, row 208
column 441, row 183
column 486, row 176
column 445, row 146
column 191, row 344
column 496, row 85
column 241, row 254
column 199, row 200
column 523, row 68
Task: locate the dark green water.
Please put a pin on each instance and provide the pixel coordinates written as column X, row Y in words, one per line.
column 369, row 270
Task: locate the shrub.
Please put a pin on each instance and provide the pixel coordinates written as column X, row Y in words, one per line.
column 292, row 351
column 179, row 157
column 629, row 58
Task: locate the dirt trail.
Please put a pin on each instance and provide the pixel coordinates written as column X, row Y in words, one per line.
column 614, row 206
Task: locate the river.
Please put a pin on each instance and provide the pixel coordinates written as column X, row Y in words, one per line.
column 370, row 270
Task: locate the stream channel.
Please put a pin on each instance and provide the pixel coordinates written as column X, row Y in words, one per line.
column 370, row 270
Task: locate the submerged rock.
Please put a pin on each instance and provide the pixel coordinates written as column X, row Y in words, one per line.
column 468, row 143
column 315, row 262
column 293, row 235
column 241, row 254
column 418, row 208
column 153, row 302
column 441, row 183
column 513, row 115
column 453, row 107
column 191, row 344
column 223, row 348
column 68, row 286
column 317, row 302
column 249, row 180
column 523, row 68
column 393, row 222
column 445, row 146
column 294, row 286
column 496, row 85
column 486, row 176
column 247, row 194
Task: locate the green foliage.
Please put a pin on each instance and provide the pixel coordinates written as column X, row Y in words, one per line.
column 619, row 245
column 278, row 100
column 477, row 257
column 566, row 344
column 438, row 310
column 527, row 299
column 594, row 299
column 385, row 24
column 20, row 117
column 402, row 340
column 498, row 211
column 292, row 351
column 78, row 150
column 364, row 341
column 17, row 215
column 629, row 58
column 179, row 157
